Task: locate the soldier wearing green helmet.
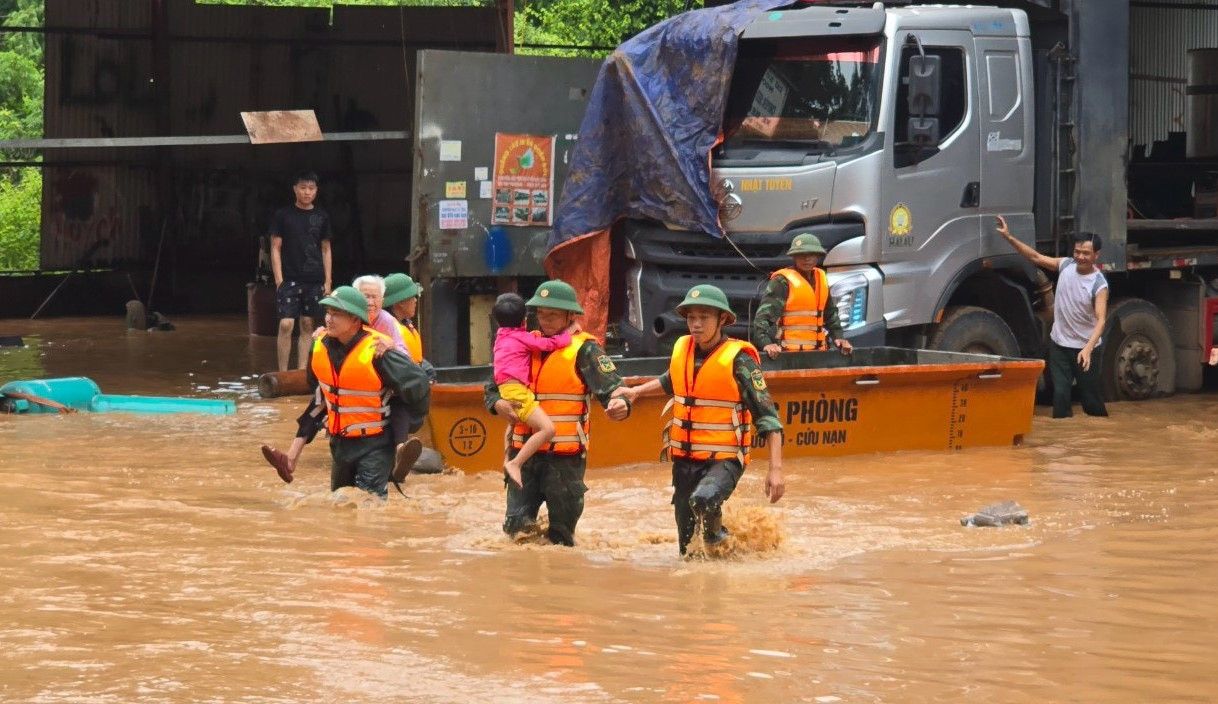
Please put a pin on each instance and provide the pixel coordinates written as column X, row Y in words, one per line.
column 402, row 301
column 719, row 399
column 797, row 312
column 562, row 381
column 354, row 380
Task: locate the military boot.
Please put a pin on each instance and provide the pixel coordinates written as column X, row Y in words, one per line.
column 708, row 515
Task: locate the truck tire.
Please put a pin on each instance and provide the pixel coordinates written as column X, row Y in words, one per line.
column 976, row 330
column 1139, row 355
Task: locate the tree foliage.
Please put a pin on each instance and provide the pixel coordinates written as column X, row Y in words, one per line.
column 602, row 24
column 21, row 82
column 20, row 209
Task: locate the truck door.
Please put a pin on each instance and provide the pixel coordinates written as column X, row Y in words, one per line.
column 1007, row 145
column 930, row 205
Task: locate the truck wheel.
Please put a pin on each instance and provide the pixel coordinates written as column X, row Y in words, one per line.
column 975, row 330
column 1139, row 356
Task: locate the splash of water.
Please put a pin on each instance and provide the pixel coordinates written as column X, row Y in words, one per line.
column 752, row 530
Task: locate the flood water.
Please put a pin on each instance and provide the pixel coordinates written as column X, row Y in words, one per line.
column 158, row 559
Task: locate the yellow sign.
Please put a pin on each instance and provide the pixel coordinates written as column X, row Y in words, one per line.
column 900, row 221
column 754, row 185
column 454, row 189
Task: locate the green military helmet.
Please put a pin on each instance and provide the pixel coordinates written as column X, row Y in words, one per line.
column 709, row 296
column 348, row 300
column 400, row 287
column 556, row 294
column 806, row 243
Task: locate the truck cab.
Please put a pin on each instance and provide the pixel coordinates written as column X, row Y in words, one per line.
column 893, row 134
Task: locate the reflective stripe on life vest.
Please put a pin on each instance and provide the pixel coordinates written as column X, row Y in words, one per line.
column 561, row 393
column 802, row 325
column 709, row 418
column 357, row 404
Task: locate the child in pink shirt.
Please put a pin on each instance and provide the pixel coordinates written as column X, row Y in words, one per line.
column 513, row 358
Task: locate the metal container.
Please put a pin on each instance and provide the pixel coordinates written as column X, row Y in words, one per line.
column 880, row 399
column 260, row 308
column 1202, row 103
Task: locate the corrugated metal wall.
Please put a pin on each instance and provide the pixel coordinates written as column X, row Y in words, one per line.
column 95, row 87
column 1160, row 38
column 214, row 202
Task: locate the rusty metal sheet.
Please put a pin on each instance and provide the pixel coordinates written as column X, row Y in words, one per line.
column 349, row 67
column 94, row 215
column 1160, row 38
column 522, row 95
column 281, row 126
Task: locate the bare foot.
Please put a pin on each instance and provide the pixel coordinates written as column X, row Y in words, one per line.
column 512, row 470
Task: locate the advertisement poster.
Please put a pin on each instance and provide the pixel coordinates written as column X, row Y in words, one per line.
column 523, row 180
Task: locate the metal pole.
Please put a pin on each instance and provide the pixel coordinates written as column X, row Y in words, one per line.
column 156, row 266
column 1055, row 182
column 48, row 298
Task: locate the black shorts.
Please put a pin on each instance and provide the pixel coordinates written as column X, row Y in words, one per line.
column 296, row 300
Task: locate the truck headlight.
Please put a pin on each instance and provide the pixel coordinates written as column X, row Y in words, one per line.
column 850, row 294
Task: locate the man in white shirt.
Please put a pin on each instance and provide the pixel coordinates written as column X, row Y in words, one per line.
column 1079, row 309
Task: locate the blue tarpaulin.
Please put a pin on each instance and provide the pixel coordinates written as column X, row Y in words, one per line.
column 645, row 142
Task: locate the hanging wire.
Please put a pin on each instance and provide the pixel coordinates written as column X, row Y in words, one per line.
column 405, row 61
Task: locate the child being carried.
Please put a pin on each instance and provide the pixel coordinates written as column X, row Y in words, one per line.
column 513, row 359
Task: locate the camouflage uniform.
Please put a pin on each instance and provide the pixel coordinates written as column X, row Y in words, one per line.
column 711, row 482
column 769, row 312
column 365, row 462
column 557, row 480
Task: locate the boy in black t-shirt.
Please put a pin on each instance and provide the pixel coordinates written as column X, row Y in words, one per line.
column 300, row 259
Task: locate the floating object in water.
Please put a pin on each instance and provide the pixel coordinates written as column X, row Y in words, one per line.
column 1000, row 514
column 82, row 394
column 430, row 462
column 158, row 322
column 137, row 317
column 290, row 383
column 11, row 341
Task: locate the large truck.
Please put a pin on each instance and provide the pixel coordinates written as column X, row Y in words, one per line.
column 897, row 132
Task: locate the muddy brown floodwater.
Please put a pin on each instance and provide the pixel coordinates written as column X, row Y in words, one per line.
column 157, row 559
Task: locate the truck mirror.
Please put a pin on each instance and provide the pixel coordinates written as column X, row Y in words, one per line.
column 924, row 80
column 924, row 131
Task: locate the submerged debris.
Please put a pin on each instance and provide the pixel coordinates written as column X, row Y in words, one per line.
column 1000, row 514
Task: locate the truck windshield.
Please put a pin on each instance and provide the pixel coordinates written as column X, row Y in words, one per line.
column 808, row 94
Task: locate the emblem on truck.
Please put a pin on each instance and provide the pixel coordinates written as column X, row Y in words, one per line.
column 900, row 225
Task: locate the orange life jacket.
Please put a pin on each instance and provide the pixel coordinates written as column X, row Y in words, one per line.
column 563, row 396
column 357, row 404
column 414, row 342
column 709, row 418
column 802, row 325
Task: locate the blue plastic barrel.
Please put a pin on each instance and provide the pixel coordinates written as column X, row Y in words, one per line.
column 82, row 394
column 105, row 403
column 75, row 391
column 497, row 250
